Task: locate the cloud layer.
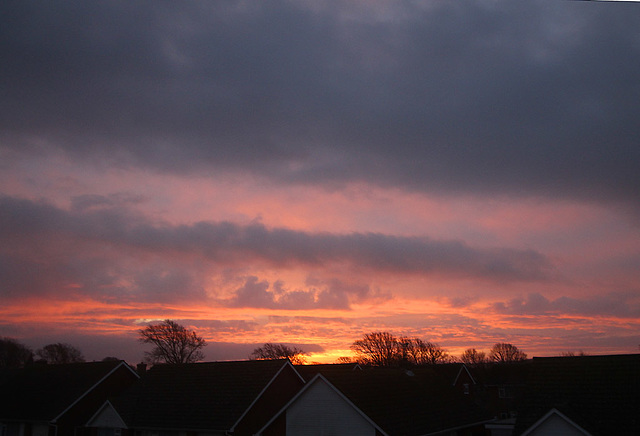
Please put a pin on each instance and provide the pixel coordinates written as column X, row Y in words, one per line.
column 302, row 172
column 536, row 98
column 102, row 246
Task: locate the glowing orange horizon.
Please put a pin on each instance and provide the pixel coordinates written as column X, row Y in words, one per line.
column 333, row 330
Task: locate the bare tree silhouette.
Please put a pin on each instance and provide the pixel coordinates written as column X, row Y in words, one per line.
column 504, row 352
column 60, row 353
column 173, row 343
column 279, row 351
column 13, row 354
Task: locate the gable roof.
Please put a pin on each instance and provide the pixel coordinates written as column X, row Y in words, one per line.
column 255, row 400
column 43, row 392
column 106, row 416
column 196, row 396
column 464, row 371
column 549, row 415
column 599, row 393
column 319, row 378
column 415, row 402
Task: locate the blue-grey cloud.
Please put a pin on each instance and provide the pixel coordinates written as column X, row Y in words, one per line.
column 533, row 98
column 124, row 255
column 619, row 304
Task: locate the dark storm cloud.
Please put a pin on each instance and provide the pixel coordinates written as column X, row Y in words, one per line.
column 533, row 98
column 116, row 252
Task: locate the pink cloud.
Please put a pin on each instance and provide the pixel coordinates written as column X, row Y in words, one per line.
column 333, row 294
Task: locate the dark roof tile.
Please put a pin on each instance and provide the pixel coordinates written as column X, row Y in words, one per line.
column 404, row 402
column 41, row 392
column 210, row 395
column 600, row 393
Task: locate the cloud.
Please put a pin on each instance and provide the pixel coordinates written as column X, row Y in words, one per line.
column 514, row 98
column 227, row 242
column 226, row 326
column 50, row 251
column 618, row 304
column 93, row 202
column 161, row 282
column 310, row 320
column 332, row 294
column 117, row 253
column 460, row 302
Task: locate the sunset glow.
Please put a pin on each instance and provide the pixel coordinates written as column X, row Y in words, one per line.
column 305, row 173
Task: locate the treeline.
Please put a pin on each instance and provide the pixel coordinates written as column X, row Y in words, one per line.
column 173, row 343
column 385, row 349
column 14, row 354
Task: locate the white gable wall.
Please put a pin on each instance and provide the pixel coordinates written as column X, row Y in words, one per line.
column 107, row 417
column 555, row 425
column 322, row 411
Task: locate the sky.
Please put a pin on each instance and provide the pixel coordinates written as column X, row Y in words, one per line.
column 305, row 172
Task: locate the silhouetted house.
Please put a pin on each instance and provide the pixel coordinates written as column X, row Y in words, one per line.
column 57, row 400
column 458, row 374
column 555, row 422
column 499, row 385
column 497, row 388
column 214, row 398
column 464, row 380
column 380, row 401
column 585, row 395
column 320, row 408
column 592, row 395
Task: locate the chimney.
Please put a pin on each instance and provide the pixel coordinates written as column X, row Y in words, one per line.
column 141, row 368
